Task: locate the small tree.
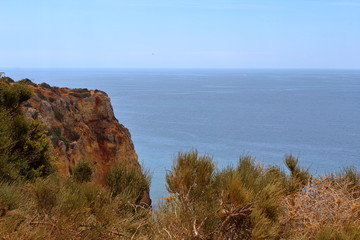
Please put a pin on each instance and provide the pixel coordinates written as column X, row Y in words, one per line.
column 25, row 151
column 128, row 181
column 83, row 171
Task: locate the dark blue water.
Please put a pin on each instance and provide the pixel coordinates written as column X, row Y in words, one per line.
column 313, row 114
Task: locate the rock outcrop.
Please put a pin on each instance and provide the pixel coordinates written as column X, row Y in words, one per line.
column 81, row 125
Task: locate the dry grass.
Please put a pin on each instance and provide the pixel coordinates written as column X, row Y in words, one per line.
column 324, row 203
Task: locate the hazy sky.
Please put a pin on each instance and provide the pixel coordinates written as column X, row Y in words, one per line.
column 180, row 33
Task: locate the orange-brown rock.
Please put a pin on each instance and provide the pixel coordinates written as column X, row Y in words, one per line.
column 81, row 124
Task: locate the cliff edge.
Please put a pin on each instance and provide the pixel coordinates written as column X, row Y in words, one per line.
column 81, row 125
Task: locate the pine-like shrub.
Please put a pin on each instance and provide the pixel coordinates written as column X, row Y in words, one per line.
column 83, row 171
column 129, row 182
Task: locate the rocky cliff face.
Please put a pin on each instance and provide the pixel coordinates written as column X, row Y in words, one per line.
column 81, row 124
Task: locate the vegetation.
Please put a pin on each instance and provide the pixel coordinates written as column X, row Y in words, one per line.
column 56, row 137
column 251, row 201
column 59, row 208
column 245, row 201
column 45, row 85
column 126, row 182
column 41, row 95
column 83, row 171
column 58, row 115
column 25, row 151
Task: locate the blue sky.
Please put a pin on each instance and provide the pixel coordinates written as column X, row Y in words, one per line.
column 180, row 33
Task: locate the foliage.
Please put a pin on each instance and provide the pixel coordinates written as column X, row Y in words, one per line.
column 250, row 201
column 83, row 171
column 59, row 208
column 127, row 182
column 45, row 85
column 299, row 177
column 11, row 96
column 191, row 183
column 57, row 136
column 246, row 201
column 25, row 152
column 26, row 81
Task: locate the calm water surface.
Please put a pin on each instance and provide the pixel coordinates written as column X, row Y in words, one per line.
column 313, row 114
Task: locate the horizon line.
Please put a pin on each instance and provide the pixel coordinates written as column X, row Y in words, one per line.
column 189, row 68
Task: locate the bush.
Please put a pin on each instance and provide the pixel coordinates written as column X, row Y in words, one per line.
column 191, row 176
column 8, row 171
column 83, row 171
column 26, row 81
column 36, row 151
column 241, row 202
column 81, row 90
column 247, row 201
column 299, row 177
column 56, row 137
column 45, row 85
column 25, row 152
column 128, row 181
column 11, row 96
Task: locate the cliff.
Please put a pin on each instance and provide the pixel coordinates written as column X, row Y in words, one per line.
column 81, row 125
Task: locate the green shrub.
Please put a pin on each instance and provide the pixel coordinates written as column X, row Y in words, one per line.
column 25, row 152
column 81, row 90
column 241, row 202
column 36, row 151
column 128, row 181
column 56, row 137
column 83, row 171
column 26, row 81
column 11, row 96
column 45, row 85
column 191, row 175
column 299, row 177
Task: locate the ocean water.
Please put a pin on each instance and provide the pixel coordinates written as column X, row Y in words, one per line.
column 313, row 114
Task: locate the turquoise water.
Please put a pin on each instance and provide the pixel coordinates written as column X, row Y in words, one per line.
column 313, row 114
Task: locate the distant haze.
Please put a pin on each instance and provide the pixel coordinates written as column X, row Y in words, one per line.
column 180, row 34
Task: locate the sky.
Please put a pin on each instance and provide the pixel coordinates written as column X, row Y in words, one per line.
column 180, row 34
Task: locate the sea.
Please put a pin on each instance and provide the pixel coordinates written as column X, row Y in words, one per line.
column 228, row 113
